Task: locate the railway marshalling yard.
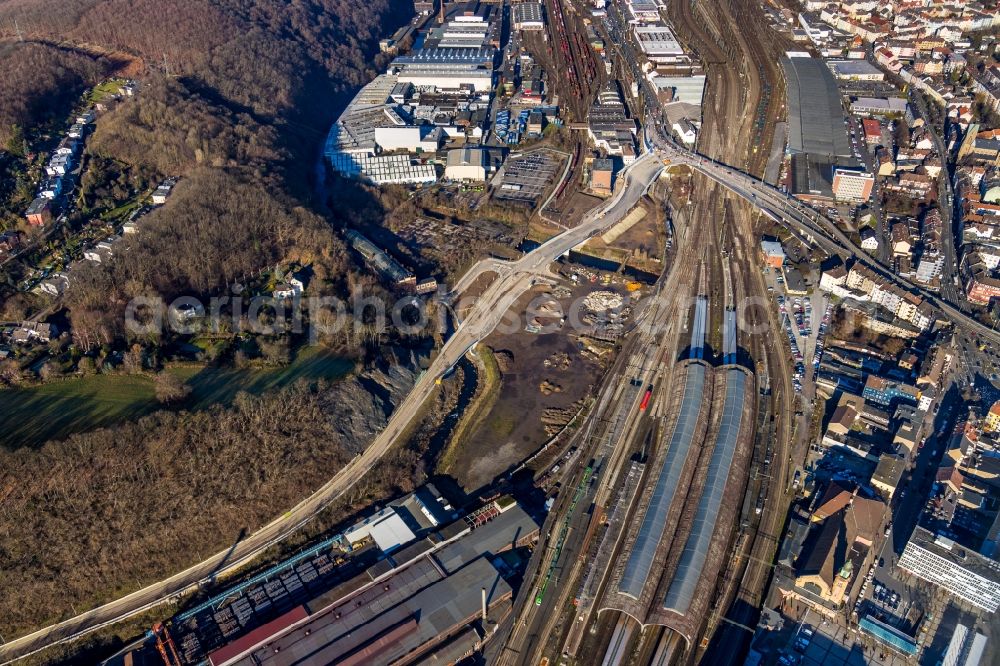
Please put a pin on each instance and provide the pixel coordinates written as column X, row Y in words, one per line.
column 658, row 551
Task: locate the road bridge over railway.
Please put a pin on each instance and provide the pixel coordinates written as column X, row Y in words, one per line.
column 819, row 229
column 485, row 313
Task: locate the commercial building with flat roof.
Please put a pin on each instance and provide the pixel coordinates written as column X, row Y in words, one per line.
column 657, row 40
column 686, row 89
column 855, row 70
column 643, row 11
column 815, row 116
column 774, row 254
column 963, row 572
column 879, row 106
column 466, row 164
column 528, row 16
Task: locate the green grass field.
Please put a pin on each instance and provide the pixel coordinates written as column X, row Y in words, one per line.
column 103, row 90
column 57, row 409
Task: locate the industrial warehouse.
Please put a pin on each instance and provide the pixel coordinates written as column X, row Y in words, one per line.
column 413, row 584
column 433, row 97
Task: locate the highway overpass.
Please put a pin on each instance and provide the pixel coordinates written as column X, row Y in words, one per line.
column 819, row 228
column 514, row 279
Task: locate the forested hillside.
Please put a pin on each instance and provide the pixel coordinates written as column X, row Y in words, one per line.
column 85, row 520
column 235, row 98
column 258, row 55
column 36, row 80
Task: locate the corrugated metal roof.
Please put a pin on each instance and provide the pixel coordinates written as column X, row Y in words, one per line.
column 436, row 606
column 815, row 114
column 261, row 633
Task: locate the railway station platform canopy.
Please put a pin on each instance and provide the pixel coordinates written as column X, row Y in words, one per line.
column 647, row 543
column 696, row 549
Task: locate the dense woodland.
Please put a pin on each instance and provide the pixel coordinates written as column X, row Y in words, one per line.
column 235, row 97
column 36, row 80
column 236, row 100
column 114, row 507
column 220, row 225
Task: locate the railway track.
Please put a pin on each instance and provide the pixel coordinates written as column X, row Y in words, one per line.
column 577, row 62
column 616, row 652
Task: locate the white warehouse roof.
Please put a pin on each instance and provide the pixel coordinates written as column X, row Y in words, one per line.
column 657, row 40
column 688, row 89
column 386, row 529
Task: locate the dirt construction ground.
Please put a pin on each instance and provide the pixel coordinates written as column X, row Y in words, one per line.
column 513, row 429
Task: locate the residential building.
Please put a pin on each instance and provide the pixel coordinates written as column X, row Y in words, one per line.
column 39, row 212
column 991, row 422
column 869, row 240
column 873, row 131
column 882, row 391
column 888, row 474
column 853, row 185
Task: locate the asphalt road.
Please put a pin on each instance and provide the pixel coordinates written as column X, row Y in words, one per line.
column 819, row 228
column 515, row 278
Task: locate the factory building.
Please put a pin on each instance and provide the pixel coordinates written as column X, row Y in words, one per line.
column 528, row 16
column 466, row 164
column 390, row 138
column 451, row 77
column 659, row 44
column 609, row 126
column 423, row 603
column 480, row 57
column 384, row 169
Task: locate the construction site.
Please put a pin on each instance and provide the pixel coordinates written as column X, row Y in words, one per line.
column 660, row 546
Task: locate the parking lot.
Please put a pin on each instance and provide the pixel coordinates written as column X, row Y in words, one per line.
column 811, row 310
column 525, row 178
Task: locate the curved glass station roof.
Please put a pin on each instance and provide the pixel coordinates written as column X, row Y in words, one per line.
column 692, row 561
